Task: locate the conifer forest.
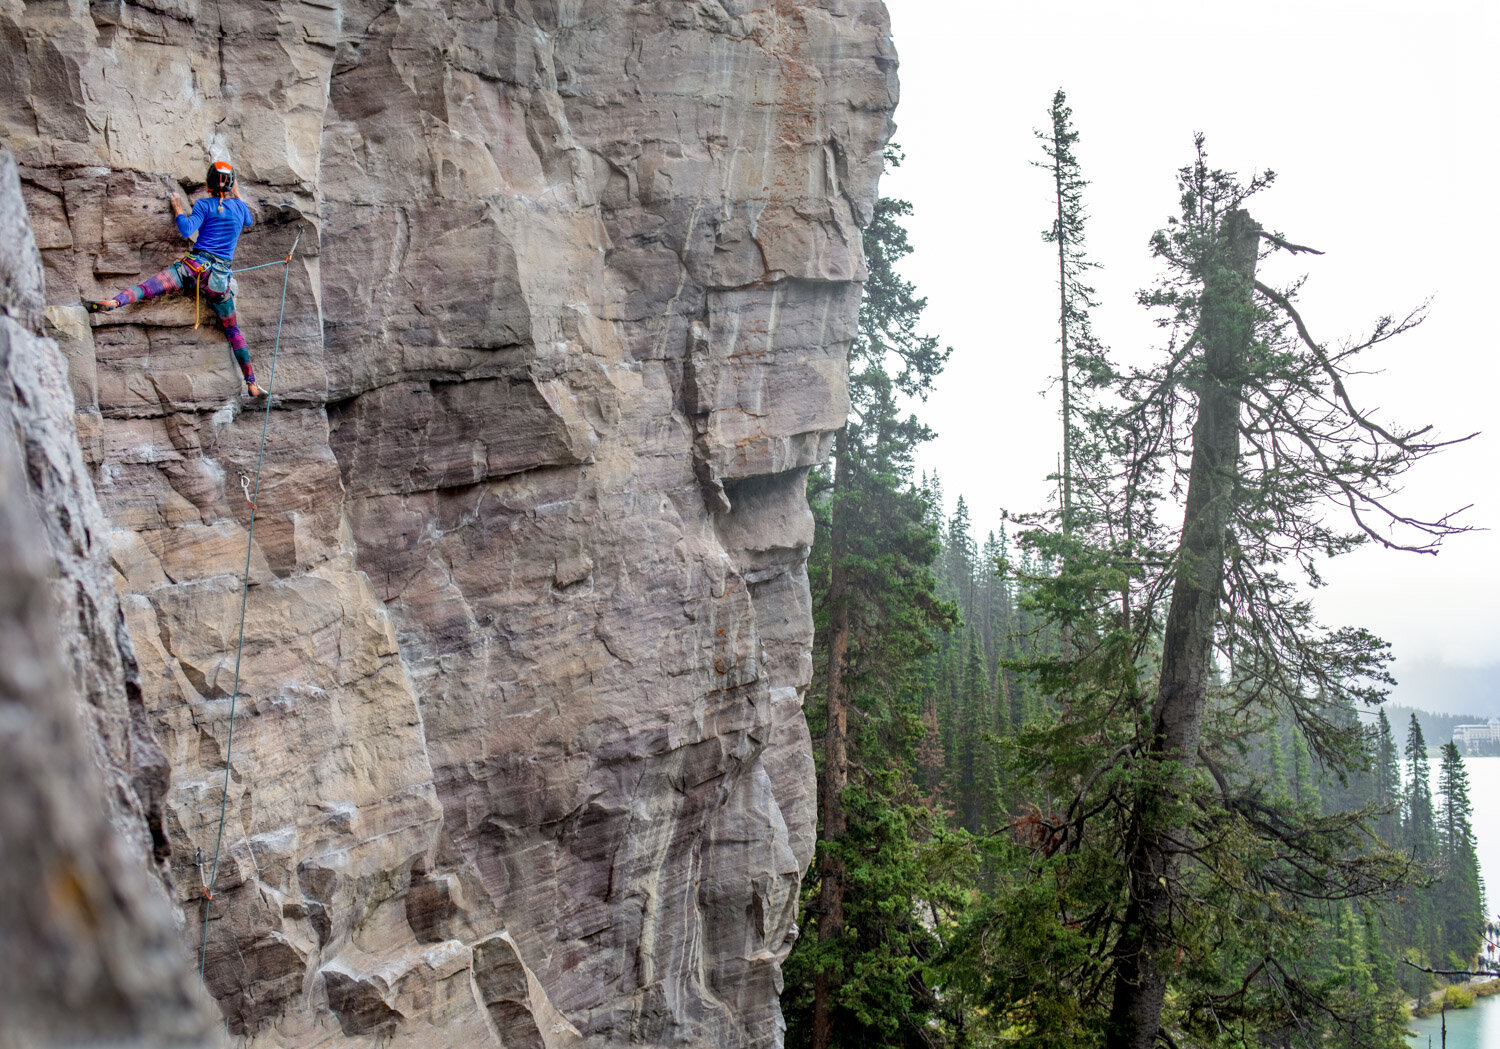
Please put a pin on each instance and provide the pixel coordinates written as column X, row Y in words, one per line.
column 1097, row 775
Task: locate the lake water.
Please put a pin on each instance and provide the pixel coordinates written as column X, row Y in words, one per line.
column 1474, row 1028
column 1479, row 1027
column 1484, row 793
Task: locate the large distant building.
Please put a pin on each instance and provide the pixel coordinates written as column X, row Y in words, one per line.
column 1476, row 738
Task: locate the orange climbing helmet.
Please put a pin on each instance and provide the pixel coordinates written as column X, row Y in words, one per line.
column 220, row 178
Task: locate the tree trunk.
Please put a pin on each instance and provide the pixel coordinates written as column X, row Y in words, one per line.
column 835, row 752
column 1066, row 500
column 1062, row 320
column 1226, row 327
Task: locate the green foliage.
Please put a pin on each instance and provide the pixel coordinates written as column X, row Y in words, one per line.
column 1459, row 892
column 1387, row 776
column 1420, row 829
column 1022, row 974
column 1302, row 870
column 1085, row 368
column 890, row 311
column 1274, row 897
column 906, row 878
column 886, row 869
column 1457, row 997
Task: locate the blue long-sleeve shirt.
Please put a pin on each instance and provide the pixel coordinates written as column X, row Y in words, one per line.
column 218, row 230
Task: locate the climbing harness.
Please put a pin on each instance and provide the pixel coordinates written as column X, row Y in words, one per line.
column 220, row 277
column 252, row 492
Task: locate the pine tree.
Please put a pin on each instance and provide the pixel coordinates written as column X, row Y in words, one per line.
column 1308, row 795
column 1146, row 794
column 978, row 778
column 959, row 558
column 1387, row 780
column 877, row 609
column 1417, row 921
column 1277, row 780
column 1459, row 894
column 1273, row 437
column 1455, row 814
column 1419, row 826
column 1080, row 357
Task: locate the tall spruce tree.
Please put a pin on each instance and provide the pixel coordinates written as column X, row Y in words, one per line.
column 959, row 561
column 1081, row 357
column 1153, row 839
column 876, row 608
column 1256, row 415
column 1419, row 826
column 1460, row 891
column 1084, row 554
column 1387, row 768
column 1417, row 921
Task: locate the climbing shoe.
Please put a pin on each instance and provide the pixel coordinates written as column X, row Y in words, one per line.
column 252, row 390
column 101, row 306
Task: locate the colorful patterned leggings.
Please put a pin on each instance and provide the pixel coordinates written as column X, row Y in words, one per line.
column 180, row 276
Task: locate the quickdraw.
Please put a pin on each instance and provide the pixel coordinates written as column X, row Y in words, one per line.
column 197, row 293
column 198, row 860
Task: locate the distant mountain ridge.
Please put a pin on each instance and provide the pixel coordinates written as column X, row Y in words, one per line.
column 1437, row 729
column 1429, row 684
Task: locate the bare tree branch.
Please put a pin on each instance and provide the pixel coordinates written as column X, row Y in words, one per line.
column 1295, row 249
column 1451, row 972
column 1404, row 442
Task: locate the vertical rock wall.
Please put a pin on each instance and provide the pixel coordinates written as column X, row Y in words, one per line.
column 518, row 755
column 88, row 948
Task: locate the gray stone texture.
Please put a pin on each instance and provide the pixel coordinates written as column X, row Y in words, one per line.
column 89, row 949
column 518, row 756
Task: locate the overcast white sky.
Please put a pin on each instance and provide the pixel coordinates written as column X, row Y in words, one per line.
column 1381, row 125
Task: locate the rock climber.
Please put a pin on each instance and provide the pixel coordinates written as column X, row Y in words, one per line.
column 213, row 225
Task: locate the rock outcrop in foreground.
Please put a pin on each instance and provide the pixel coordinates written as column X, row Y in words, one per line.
column 518, row 755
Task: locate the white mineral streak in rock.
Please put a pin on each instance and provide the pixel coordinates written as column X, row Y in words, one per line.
column 518, row 756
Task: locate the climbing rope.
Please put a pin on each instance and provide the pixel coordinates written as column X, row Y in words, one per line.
column 252, row 493
column 198, row 285
column 273, row 262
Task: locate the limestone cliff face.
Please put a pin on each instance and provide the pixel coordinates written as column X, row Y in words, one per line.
column 518, row 755
column 88, row 948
